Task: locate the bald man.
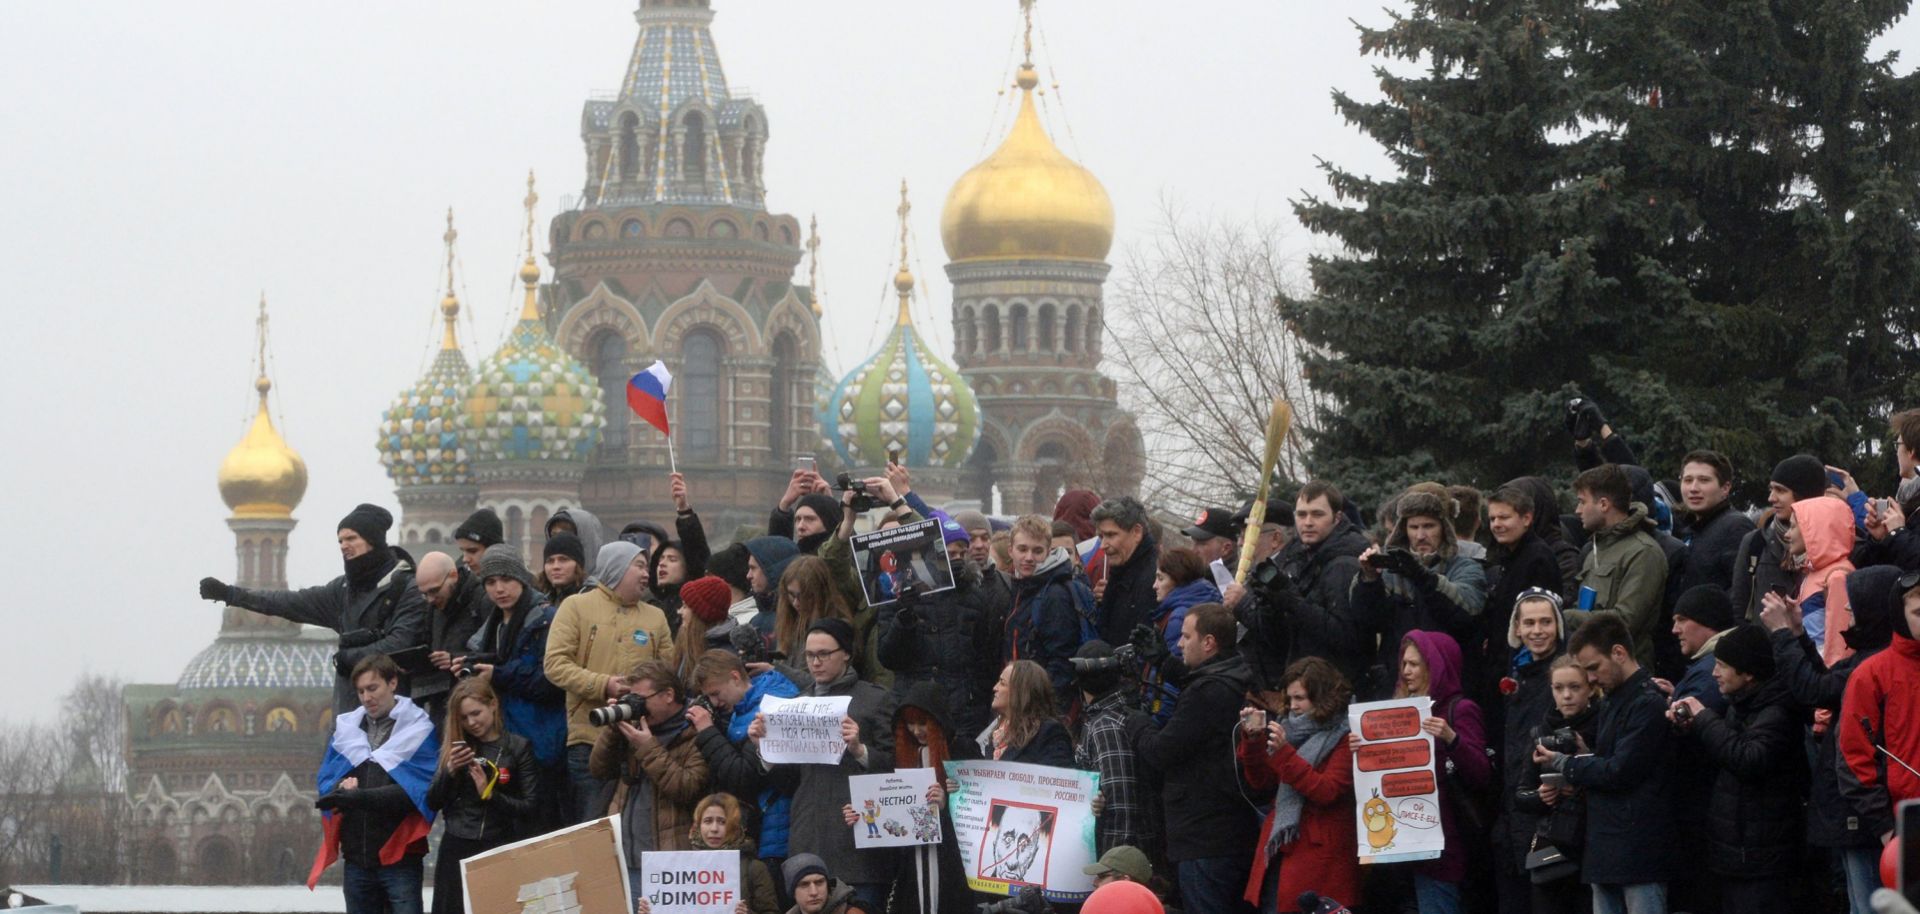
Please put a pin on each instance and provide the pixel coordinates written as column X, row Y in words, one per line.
column 454, row 613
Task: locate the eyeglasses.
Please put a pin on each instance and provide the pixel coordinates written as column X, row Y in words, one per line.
column 645, row 697
column 821, row 656
column 796, row 594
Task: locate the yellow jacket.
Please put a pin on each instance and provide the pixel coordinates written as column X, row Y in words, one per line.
column 594, row 639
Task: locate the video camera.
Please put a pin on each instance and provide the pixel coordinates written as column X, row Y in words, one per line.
column 467, row 669
column 862, row 499
column 1124, row 660
column 1029, row 901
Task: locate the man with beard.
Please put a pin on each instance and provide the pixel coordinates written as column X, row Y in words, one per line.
column 374, row 605
column 1418, row 581
column 1709, row 527
column 1298, row 602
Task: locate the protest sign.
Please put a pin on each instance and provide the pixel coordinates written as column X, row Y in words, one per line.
column 1019, row 825
column 1395, row 782
column 893, row 809
column 582, row 868
column 803, row 731
column 908, row 557
column 690, row 882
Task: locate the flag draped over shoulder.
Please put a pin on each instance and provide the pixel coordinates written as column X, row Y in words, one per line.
column 409, row 756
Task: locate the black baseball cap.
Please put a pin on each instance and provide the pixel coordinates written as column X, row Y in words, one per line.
column 1278, row 512
column 1212, row 522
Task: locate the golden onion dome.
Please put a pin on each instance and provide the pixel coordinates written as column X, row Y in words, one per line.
column 262, row 477
column 1027, row 201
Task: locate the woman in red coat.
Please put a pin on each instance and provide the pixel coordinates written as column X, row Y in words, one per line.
column 1307, row 843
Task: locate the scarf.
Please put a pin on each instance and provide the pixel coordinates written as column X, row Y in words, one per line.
column 1313, row 741
column 365, row 570
column 1908, row 489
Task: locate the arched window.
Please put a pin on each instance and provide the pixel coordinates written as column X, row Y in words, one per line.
column 1021, row 341
column 1048, row 332
column 693, row 162
column 537, row 530
column 993, row 328
column 629, row 147
column 517, row 529
column 966, row 333
column 1073, row 331
column 781, row 440
column 610, row 367
column 247, row 568
column 219, row 862
column 698, row 390
column 1093, row 331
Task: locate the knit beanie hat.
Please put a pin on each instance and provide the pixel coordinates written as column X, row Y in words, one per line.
column 370, row 521
column 502, row 561
column 1804, row 474
column 1746, row 649
column 483, row 527
column 730, row 565
column 952, row 532
column 826, row 506
column 800, row 866
column 838, row 629
column 1708, row 605
column 568, row 545
column 707, row 597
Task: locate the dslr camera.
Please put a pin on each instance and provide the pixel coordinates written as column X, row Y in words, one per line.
column 700, row 701
column 1563, row 741
column 1125, row 660
column 862, row 499
column 1029, row 901
column 628, row 707
column 746, row 641
column 466, row 669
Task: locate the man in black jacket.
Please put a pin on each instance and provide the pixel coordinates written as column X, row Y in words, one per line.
column 1630, row 844
column 941, row 638
column 1757, row 567
column 1297, row 603
column 374, row 606
column 1760, row 780
column 1518, row 562
column 1710, row 528
column 456, row 607
column 1126, row 591
column 1210, row 826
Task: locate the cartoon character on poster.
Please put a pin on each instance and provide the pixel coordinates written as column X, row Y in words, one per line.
column 871, row 815
column 1020, row 841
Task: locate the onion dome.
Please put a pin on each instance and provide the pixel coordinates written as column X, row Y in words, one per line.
column 262, row 477
column 531, row 400
column 1027, row 201
column 903, row 398
column 261, row 663
column 422, row 435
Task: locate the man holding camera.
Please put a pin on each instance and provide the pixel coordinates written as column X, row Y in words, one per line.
column 1418, row 581
column 597, row 637
column 1299, row 603
column 732, row 699
column 1630, row 843
column 1128, row 811
column 374, row 605
column 646, row 752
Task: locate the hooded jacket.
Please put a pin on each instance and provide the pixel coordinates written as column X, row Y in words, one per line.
column 1450, row 600
column 1754, row 818
column 586, row 526
column 724, row 747
column 1826, row 526
column 1045, row 624
column 1526, row 709
column 390, row 610
column 1627, row 571
column 1870, row 590
column 1760, row 566
column 534, row 707
column 594, row 637
column 1464, row 761
column 694, row 551
column 1881, row 710
column 1511, row 571
column 941, row 640
column 1205, row 813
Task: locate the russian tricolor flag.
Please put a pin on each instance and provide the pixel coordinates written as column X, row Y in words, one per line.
column 410, row 756
column 647, row 395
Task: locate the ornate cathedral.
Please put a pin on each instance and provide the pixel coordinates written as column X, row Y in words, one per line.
column 668, row 252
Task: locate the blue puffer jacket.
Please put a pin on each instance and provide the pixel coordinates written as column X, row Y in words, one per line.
column 1167, row 619
column 774, row 805
column 535, row 708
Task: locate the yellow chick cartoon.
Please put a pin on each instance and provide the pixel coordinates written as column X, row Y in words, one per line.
column 1380, row 824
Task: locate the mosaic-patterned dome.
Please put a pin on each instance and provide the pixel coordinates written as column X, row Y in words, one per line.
column 903, row 398
column 423, row 434
column 531, row 400
column 279, row 663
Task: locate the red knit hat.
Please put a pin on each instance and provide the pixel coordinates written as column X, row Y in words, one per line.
column 708, row 597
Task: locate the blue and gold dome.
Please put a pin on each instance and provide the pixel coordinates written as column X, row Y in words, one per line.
column 903, row 398
column 422, row 435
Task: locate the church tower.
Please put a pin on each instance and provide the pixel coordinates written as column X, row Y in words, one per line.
column 262, row 480
column 1027, row 232
column 669, row 253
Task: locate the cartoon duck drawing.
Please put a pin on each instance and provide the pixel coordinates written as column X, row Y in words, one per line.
column 1380, row 824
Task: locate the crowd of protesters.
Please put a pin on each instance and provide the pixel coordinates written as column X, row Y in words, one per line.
column 1645, row 698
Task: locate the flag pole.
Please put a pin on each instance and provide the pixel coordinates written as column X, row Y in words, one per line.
column 672, row 467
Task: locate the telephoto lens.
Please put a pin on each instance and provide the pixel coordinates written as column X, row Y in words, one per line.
column 628, row 708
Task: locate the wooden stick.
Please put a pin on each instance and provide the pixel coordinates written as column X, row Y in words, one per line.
column 1278, row 422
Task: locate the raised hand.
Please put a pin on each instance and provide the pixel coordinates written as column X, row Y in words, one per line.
column 680, row 493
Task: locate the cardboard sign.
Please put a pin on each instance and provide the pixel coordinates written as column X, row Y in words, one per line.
column 893, row 809
column 908, row 557
column 691, row 882
column 1395, row 783
column 1021, row 825
column 803, row 731
column 581, row 868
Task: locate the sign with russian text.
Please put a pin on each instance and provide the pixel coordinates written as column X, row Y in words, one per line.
column 1020, row 825
column 805, row 730
column 910, row 557
column 892, row 809
column 690, row 882
column 1395, row 782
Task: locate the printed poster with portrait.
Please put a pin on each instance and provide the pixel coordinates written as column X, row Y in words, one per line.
column 1396, row 787
column 908, row 557
column 1019, row 825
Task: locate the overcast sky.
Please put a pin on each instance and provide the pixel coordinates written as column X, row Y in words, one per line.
column 165, row 163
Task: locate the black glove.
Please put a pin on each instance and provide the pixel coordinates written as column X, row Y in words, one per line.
column 329, row 801
column 1147, row 644
column 1584, row 420
column 343, row 664
column 1399, row 561
column 213, row 589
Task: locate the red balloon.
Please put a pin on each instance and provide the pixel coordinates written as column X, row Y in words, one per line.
column 1890, row 864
